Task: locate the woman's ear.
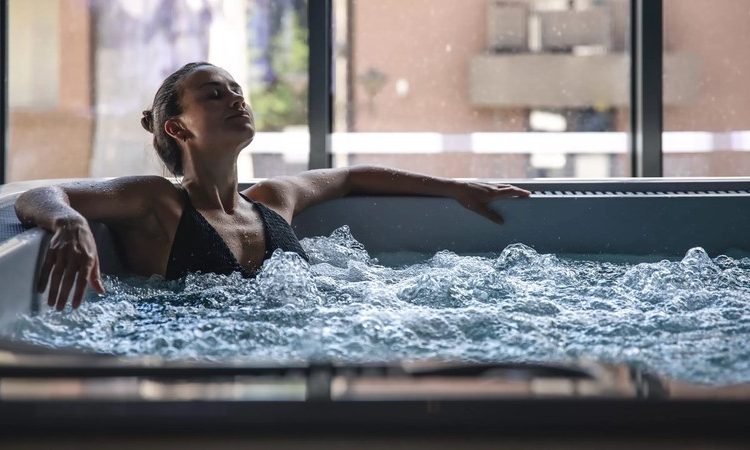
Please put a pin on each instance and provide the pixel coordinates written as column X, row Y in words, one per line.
column 174, row 128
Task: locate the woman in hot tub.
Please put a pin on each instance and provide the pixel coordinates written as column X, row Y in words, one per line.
column 200, row 122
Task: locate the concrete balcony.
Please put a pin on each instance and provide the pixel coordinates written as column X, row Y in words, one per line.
column 544, row 80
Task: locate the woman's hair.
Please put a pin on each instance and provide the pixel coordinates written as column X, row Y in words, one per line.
column 166, row 106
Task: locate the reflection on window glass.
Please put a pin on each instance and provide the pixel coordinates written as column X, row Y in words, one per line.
column 707, row 113
column 81, row 72
column 483, row 88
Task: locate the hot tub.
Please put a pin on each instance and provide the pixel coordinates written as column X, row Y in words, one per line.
column 651, row 218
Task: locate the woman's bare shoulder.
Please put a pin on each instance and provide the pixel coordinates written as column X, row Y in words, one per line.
column 273, row 193
column 292, row 194
column 122, row 197
column 145, row 186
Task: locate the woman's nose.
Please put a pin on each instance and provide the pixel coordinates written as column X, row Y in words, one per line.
column 238, row 102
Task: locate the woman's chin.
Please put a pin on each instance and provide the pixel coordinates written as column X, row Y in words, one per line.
column 245, row 132
column 248, row 139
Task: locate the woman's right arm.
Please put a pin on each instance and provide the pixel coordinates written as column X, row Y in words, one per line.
column 72, row 260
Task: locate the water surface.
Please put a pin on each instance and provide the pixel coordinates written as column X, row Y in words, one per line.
column 689, row 318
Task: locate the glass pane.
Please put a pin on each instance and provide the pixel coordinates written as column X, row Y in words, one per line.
column 483, row 88
column 81, row 72
column 706, row 100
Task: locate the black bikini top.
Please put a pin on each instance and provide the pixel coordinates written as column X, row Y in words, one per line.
column 197, row 246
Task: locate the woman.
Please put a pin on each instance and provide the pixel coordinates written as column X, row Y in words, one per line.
column 200, row 123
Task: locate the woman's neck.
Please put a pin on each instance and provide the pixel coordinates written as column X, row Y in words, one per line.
column 212, row 185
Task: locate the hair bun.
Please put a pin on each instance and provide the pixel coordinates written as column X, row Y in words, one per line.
column 147, row 121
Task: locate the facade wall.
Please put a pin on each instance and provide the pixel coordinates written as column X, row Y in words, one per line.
column 718, row 33
column 51, row 121
column 427, row 43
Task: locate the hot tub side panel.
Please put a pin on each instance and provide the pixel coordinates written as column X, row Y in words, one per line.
column 627, row 224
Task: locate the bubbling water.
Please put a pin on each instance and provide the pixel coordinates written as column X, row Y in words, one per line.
column 689, row 319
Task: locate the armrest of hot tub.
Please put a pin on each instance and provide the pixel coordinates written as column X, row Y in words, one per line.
column 19, row 257
column 20, row 262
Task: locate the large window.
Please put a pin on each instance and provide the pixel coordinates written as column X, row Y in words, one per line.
column 461, row 88
column 479, row 88
column 81, row 71
column 707, row 125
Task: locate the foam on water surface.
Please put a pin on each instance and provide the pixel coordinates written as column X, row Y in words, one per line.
column 689, row 319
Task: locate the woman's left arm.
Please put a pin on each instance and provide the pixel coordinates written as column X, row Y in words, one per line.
column 293, row 194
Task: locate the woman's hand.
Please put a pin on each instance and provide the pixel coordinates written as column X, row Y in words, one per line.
column 476, row 197
column 71, row 260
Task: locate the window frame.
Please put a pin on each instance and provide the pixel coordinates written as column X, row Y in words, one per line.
column 646, row 90
column 3, row 87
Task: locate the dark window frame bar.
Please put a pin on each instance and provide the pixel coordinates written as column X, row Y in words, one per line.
column 3, row 87
column 646, row 86
column 320, row 81
column 646, row 90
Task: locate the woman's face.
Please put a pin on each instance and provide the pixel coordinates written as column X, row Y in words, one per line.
column 214, row 112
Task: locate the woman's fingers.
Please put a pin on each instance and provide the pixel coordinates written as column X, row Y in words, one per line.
column 49, row 261
column 82, row 276
column 65, row 287
column 485, row 211
column 54, row 283
column 88, row 274
column 70, row 275
column 95, row 276
column 76, row 281
column 513, row 191
column 478, row 196
column 81, row 280
column 71, row 262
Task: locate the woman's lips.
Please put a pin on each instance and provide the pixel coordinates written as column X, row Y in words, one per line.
column 243, row 114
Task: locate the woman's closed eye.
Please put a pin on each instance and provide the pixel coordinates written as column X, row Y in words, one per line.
column 215, row 89
column 217, row 93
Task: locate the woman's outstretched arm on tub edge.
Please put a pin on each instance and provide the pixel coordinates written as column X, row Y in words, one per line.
column 293, row 194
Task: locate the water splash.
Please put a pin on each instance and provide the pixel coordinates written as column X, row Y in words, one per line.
column 688, row 319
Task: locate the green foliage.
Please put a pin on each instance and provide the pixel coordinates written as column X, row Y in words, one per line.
column 284, row 102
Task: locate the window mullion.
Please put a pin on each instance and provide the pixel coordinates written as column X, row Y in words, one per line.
column 646, row 88
column 3, row 88
column 320, row 111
